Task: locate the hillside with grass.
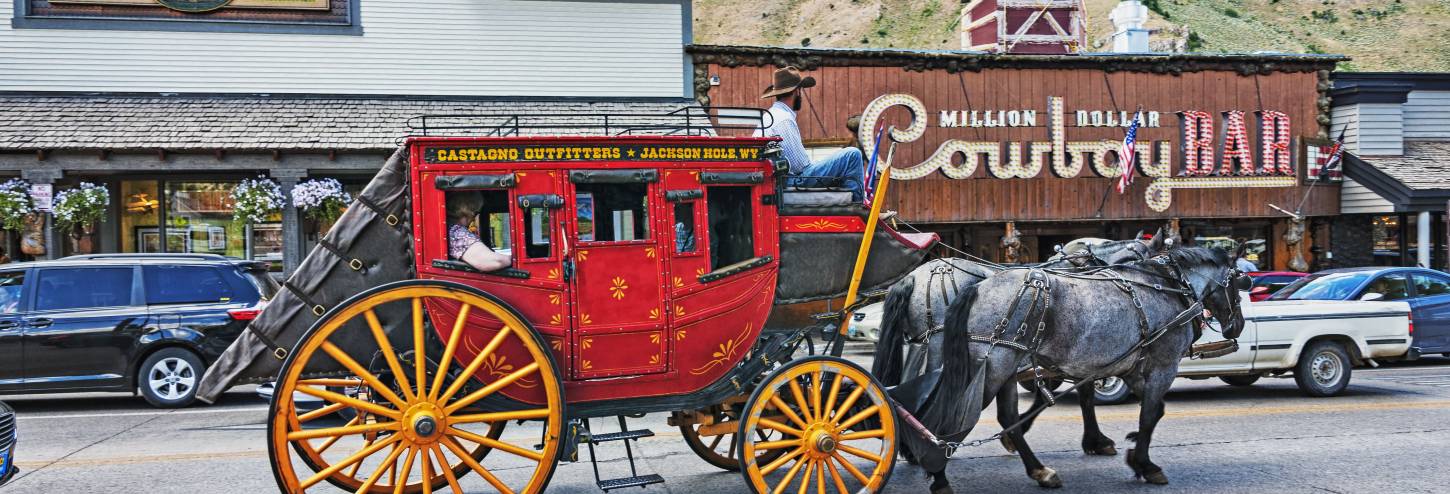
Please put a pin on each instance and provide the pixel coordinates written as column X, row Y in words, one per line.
column 1378, row 35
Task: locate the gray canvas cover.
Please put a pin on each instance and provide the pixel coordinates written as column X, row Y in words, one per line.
column 370, row 245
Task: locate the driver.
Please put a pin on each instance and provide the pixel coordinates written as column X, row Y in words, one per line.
column 846, row 163
column 464, row 245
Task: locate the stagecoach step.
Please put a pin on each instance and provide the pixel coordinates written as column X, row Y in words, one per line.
column 620, row 436
column 640, row 481
column 627, row 436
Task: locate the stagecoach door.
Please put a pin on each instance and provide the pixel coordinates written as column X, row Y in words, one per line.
column 619, row 308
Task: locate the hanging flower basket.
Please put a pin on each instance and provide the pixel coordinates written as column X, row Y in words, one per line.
column 15, row 204
column 321, row 200
column 82, row 206
column 256, row 200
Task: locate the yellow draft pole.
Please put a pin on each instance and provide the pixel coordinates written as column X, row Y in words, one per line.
column 865, row 250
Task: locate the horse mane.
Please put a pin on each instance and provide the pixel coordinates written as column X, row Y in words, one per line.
column 1199, row 255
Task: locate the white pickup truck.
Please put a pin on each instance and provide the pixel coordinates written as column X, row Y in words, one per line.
column 1317, row 341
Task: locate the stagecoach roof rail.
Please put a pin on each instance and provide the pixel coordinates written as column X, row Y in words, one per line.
column 690, row 120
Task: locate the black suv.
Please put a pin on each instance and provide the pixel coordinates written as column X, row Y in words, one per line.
column 122, row 322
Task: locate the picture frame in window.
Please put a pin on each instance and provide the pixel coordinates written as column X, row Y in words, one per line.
column 584, row 215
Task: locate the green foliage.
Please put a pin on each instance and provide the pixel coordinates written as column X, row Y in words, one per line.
column 1229, row 11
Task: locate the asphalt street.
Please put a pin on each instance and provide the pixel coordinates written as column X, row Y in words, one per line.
column 1390, row 432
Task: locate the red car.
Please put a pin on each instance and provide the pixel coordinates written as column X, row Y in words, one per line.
column 1268, row 282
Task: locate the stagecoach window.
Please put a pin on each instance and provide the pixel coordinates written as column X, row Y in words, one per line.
column 612, row 212
column 537, row 233
column 684, row 227
column 493, row 225
column 731, row 238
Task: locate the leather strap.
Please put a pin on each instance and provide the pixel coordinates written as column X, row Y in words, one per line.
column 392, row 218
column 352, row 262
column 317, row 309
column 277, row 351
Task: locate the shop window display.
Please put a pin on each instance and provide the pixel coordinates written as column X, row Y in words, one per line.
column 198, row 220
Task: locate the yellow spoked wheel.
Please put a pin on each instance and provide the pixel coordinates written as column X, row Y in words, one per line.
column 392, row 422
column 839, row 430
column 716, row 442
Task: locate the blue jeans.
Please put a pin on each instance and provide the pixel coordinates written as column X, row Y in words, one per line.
column 847, row 163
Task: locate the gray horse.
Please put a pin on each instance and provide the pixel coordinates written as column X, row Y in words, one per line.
column 914, row 318
column 1074, row 322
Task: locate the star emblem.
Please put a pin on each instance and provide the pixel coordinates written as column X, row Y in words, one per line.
column 630, row 153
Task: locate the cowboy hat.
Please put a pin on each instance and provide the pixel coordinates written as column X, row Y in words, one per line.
column 786, row 80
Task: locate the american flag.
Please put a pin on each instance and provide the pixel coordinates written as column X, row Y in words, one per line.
column 1332, row 156
column 868, row 184
column 1125, row 153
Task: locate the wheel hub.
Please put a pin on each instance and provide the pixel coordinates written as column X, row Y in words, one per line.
column 821, row 441
column 425, row 423
column 825, row 444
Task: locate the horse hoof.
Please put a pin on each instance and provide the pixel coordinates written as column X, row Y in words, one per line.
column 1007, row 444
column 1156, row 478
column 943, row 490
column 1108, row 450
column 1047, row 477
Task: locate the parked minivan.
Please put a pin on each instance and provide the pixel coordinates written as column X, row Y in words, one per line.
column 147, row 323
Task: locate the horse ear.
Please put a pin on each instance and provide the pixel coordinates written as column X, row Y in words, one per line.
column 1158, row 243
column 1138, row 236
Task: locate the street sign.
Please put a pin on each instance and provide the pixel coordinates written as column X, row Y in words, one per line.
column 41, row 194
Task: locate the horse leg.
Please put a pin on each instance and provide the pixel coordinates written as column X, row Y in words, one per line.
column 1154, row 386
column 1038, row 402
column 1007, row 415
column 1094, row 442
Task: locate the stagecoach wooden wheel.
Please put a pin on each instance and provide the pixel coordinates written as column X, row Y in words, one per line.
column 412, row 425
column 839, row 430
column 717, row 441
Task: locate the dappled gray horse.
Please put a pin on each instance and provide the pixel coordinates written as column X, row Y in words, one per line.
column 1073, row 323
column 915, row 317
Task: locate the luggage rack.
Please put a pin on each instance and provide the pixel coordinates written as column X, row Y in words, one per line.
column 687, row 121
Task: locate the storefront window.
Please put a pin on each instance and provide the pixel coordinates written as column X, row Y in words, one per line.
column 1228, row 238
column 1386, row 233
column 140, row 216
column 198, row 220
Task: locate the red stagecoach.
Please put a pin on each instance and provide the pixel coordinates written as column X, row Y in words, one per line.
column 660, row 265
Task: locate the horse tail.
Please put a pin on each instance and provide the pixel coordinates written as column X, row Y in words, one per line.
column 948, row 407
column 888, row 366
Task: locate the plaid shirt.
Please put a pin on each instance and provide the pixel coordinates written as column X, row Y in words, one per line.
column 784, row 126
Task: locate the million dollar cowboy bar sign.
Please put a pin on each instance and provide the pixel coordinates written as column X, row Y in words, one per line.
column 1216, row 149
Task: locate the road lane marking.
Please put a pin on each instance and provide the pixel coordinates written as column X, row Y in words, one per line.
column 1260, row 410
column 21, row 416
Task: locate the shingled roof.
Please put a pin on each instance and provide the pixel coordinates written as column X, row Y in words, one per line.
column 1424, row 166
column 251, row 122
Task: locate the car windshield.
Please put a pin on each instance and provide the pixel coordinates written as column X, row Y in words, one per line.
column 1323, row 286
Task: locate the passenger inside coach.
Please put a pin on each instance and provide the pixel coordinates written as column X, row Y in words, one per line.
column 465, row 208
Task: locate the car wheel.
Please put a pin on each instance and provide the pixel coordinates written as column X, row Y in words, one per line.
column 1110, row 391
column 168, row 378
column 1240, row 380
column 1323, row 370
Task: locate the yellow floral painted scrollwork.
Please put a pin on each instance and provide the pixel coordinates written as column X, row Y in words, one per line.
column 724, row 353
column 617, row 288
column 497, row 366
column 821, row 225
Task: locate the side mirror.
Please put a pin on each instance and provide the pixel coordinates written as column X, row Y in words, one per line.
column 1371, row 296
column 1259, row 290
